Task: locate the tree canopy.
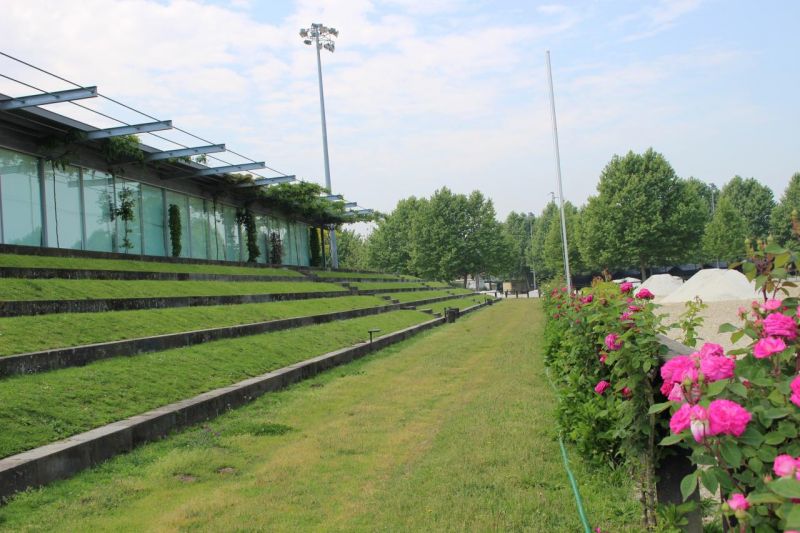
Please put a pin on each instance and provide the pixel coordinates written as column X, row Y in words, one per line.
column 781, row 218
column 725, row 234
column 753, row 201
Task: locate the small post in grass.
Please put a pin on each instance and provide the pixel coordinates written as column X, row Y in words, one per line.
column 371, row 333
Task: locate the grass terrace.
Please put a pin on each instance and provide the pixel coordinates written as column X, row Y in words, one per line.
column 359, row 275
column 42, row 408
column 34, row 333
column 381, row 285
column 449, row 431
column 80, row 263
column 460, row 303
column 78, row 289
column 411, row 297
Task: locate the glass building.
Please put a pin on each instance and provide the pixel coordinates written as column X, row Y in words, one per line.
column 76, row 206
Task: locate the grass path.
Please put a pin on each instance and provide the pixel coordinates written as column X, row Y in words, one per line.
column 450, row 431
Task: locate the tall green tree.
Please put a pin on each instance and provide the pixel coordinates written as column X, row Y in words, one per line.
column 754, row 202
column 781, row 219
column 541, row 229
column 553, row 248
column 352, row 250
column 725, row 234
column 643, row 215
column 518, row 228
column 390, row 245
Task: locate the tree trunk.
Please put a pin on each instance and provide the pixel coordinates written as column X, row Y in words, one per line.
column 465, row 281
column 643, row 270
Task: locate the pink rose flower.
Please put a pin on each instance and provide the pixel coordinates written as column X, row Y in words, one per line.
column 737, row 502
column 626, row 286
column 727, row 417
column 795, row 386
column 709, row 348
column 698, row 417
column 601, row 386
column 676, row 394
column 634, row 308
column 645, row 294
column 626, row 316
column 677, row 370
column 716, row 368
column 780, row 325
column 771, row 305
column 603, row 357
column 680, row 419
column 626, row 392
column 587, row 299
column 612, row 342
column 768, row 346
column 785, row 466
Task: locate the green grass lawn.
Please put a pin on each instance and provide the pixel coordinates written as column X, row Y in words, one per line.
column 460, row 303
column 79, row 289
column 410, row 297
column 358, row 275
column 373, row 285
column 41, row 408
column 450, row 431
column 33, row 333
column 81, row 263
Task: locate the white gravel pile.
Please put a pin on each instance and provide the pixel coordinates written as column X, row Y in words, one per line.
column 662, row 285
column 714, row 285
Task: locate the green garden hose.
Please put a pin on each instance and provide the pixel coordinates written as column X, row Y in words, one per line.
column 574, row 484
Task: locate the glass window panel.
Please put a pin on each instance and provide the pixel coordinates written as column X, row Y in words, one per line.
column 199, row 221
column 153, row 220
column 182, row 201
column 130, row 229
column 63, row 196
column 98, row 196
column 303, row 250
column 262, row 230
column 217, row 232
column 20, row 193
column 231, row 229
column 291, row 251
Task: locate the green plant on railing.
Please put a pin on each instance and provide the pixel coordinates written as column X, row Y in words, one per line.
column 690, row 321
column 174, row 222
column 314, row 245
column 275, row 249
column 739, row 414
column 122, row 149
column 246, row 219
column 125, row 211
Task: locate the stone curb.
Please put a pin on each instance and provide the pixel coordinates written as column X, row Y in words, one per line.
column 400, row 289
column 44, row 307
column 57, row 358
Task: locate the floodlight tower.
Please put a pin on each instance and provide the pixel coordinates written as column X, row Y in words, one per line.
column 323, row 37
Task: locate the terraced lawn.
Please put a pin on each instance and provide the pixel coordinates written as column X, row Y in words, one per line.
column 33, row 333
column 359, row 275
column 460, row 303
column 406, row 297
column 79, row 289
column 377, row 285
column 80, row 263
column 450, row 431
column 41, row 408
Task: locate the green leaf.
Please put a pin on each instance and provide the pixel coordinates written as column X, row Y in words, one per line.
column 671, row 439
column 775, row 413
column 716, row 388
column 774, row 249
column 774, row 438
column 781, row 261
column 736, row 336
column 731, row 453
column 688, row 485
column 758, row 498
column 786, row 487
column 658, row 407
column 709, row 480
column 727, row 328
column 737, row 388
column 793, row 517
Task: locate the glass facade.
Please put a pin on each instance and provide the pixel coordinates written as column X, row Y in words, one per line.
column 42, row 204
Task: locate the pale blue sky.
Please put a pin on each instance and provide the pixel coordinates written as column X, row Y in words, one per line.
column 424, row 94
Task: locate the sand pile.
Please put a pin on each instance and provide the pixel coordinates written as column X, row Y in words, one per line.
column 713, row 285
column 662, row 285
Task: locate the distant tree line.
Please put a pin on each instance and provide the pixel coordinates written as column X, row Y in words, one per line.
column 642, row 216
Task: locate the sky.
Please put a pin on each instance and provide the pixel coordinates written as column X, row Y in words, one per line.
column 424, row 94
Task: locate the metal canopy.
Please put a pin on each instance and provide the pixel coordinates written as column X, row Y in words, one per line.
column 348, row 205
column 129, row 130
column 260, row 182
column 334, row 197
column 185, row 152
column 48, row 98
column 222, row 170
column 362, row 211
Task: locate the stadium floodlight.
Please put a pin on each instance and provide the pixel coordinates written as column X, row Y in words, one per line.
column 323, row 37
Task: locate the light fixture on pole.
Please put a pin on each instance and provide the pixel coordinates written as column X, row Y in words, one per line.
column 323, row 37
column 558, row 175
